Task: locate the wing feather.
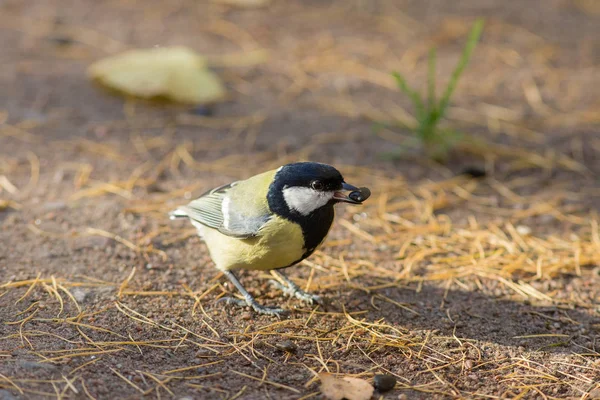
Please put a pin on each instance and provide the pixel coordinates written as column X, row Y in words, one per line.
column 218, row 209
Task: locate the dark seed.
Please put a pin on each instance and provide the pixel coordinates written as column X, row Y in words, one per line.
column 61, row 40
column 360, row 195
column 384, row 383
column 202, row 111
column 474, row 172
column 287, row 345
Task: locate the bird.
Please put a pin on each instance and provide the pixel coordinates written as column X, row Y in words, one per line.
column 269, row 222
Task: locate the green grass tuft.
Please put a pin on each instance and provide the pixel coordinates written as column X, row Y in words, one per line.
column 429, row 112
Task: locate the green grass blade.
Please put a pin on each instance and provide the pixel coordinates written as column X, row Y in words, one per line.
column 414, row 96
column 464, row 60
column 431, row 103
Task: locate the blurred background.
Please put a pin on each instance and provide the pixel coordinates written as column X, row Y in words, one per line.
column 295, row 72
column 474, row 123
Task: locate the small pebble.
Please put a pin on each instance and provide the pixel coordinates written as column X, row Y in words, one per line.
column 474, row 172
column 384, row 383
column 203, row 353
column 287, row 345
column 523, row 230
column 6, row 395
column 594, row 393
column 80, row 294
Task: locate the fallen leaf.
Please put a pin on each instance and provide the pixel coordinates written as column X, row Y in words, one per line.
column 245, row 3
column 589, row 6
column 345, row 388
column 176, row 73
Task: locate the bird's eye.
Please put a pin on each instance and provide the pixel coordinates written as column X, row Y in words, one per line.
column 317, row 185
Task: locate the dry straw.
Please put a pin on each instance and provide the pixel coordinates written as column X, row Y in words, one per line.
column 449, row 233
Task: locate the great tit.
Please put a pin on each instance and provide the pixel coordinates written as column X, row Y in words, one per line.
column 270, row 221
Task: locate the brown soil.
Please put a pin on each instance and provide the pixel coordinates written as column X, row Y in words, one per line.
column 461, row 288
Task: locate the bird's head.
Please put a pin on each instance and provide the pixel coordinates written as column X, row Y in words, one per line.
column 304, row 187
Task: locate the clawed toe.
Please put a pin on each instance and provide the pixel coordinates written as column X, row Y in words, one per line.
column 311, row 299
column 232, row 300
column 291, row 289
column 294, row 291
column 268, row 310
column 255, row 306
column 248, row 299
column 278, row 285
column 308, row 298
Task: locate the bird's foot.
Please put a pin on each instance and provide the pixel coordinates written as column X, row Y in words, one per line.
column 255, row 306
column 231, row 300
column 294, row 291
column 308, row 298
column 279, row 312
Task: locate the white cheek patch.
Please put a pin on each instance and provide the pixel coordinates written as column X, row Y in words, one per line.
column 305, row 200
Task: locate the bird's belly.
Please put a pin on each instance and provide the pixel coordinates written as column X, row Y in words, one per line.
column 280, row 244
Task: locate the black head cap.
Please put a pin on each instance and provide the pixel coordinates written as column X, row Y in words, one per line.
column 309, row 174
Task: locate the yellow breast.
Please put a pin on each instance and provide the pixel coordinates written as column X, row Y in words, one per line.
column 280, row 244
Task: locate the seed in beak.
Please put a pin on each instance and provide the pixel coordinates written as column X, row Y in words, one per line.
column 360, row 195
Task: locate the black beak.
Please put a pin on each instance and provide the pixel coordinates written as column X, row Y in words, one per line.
column 351, row 194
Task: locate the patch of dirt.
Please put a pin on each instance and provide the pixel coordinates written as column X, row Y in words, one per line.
column 461, row 288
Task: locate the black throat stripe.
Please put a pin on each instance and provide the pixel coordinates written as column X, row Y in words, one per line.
column 315, row 226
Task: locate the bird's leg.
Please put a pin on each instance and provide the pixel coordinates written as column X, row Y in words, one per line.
column 248, row 299
column 292, row 289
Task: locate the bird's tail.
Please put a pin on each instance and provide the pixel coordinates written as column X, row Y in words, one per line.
column 178, row 213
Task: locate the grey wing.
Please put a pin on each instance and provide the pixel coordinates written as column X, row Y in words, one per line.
column 215, row 210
